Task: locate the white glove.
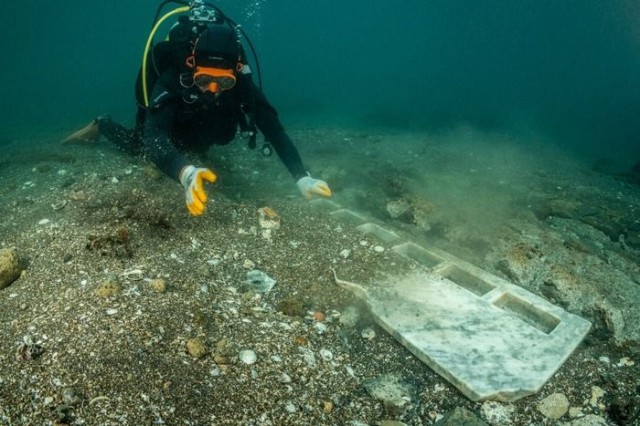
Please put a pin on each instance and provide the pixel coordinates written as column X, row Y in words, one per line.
column 309, row 187
column 192, row 179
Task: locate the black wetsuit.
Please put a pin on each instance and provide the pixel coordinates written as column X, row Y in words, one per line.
column 184, row 119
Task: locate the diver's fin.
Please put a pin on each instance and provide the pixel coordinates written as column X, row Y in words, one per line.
column 88, row 133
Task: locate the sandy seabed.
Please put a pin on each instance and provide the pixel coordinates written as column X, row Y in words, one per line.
column 129, row 311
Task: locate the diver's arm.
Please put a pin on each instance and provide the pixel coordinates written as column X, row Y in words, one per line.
column 269, row 124
column 157, row 144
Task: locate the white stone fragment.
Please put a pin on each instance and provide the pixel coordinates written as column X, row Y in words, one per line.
column 596, row 394
column 112, row 311
column 498, row 414
column 378, row 249
column 625, row 362
column 114, row 180
column 44, row 222
column 345, row 253
column 320, row 327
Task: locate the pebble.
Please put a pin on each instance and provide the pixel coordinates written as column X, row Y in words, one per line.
column 109, row 288
column 9, row 266
column 345, row 253
column 326, row 354
column 498, row 413
column 248, row 356
column 112, row 311
column 44, row 222
column 159, row 285
column 368, row 333
column 554, row 406
column 378, row 249
column 196, row 347
column 625, row 362
column 596, row 394
column 320, row 327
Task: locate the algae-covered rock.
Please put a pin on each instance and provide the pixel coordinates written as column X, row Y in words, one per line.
column 9, row 267
column 109, row 288
column 196, row 347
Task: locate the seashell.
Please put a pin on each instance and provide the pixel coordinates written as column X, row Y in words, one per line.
column 59, row 205
column 248, row 356
column 133, row 275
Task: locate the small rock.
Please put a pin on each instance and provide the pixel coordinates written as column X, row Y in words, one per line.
column 368, row 333
column 159, row 285
column 225, row 352
column 326, row 355
column 497, row 414
column 596, row 394
column 9, row 267
column 248, row 264
column 589, row 420
column 554, row 406
column 196, row 347
column 460, row 416
column 392, row 391
column 108, row 288
column 625, row 362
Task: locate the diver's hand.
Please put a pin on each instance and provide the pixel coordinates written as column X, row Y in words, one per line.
column 309, row 187
column 192, row 179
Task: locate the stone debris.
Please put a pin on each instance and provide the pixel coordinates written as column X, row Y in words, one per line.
column 497, row 413
column 554, row 406
column 390, row 389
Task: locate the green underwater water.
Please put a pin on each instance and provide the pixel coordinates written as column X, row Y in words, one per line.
column 569, row 70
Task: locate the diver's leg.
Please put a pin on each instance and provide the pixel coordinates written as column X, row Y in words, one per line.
column 126, row 140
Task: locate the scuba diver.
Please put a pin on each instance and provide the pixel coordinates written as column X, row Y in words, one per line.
column 194, row 90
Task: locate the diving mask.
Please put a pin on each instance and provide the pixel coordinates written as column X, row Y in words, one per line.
column 214, row 80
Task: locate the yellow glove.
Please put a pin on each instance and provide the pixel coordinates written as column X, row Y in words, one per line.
column 309, row 187
column 192, row 179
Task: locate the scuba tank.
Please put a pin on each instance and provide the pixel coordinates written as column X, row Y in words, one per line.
column 193, row 18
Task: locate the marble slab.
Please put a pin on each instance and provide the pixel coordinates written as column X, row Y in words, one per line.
column 490, row 338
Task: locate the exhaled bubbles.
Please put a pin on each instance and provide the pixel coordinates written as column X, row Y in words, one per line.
column 253, row 14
